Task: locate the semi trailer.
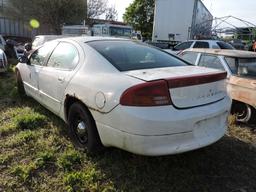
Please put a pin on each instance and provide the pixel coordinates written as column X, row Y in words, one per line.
column 180, row 20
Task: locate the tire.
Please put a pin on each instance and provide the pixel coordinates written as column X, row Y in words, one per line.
column 20, row 84
column 244, row 113
column 82, row 129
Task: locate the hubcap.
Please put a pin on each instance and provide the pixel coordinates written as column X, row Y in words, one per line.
column 244, row 114
column 81, row 132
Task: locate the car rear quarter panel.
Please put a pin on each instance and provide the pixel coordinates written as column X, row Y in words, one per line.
column 98, row 84
column 243, row 90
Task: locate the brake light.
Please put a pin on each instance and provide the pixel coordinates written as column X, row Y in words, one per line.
column 155, row 93
column 185, row 81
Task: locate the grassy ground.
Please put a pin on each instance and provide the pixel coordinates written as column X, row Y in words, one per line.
column 37, row 155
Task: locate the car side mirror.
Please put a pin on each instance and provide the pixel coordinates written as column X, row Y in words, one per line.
column 23, row 59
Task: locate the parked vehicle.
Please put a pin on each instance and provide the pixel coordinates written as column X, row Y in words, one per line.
column 212, row 44
column 175, row 20
column 121, row 93
column 238, row 44
column 113, row 30
column 2, row 43
column 75, row 30
column 3, row 62
column 241, row 69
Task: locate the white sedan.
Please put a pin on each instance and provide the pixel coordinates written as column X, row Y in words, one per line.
column 120, row 93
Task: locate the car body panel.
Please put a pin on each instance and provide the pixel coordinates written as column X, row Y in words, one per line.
column 2, row 43
column 3, row 61
column 239, row 88
column 29, row 74
column 189, row 96
column 149, row 132
column 242, row 89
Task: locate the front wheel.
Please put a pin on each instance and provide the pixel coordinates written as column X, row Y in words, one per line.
column 82, row 128
column 244, row 113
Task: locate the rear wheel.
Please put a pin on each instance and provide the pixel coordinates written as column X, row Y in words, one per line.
column 244, row 113
column 82, row 128
column 20, row 84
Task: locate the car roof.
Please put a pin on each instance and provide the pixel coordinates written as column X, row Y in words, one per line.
column 206, row 40
column 86, row 39
column 225, row 52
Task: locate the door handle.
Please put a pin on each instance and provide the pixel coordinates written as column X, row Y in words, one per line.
column 61, row 79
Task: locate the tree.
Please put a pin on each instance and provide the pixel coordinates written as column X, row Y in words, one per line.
column 111, row 14
column 140, row 15
column 51, row 12
column 96, row 8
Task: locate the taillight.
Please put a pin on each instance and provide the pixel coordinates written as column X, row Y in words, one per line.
column 155, row 93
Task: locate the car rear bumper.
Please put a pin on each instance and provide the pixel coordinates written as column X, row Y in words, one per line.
column 164, row 130
column 159, row 145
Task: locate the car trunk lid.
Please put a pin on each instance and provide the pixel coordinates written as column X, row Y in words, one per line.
column 189, row 86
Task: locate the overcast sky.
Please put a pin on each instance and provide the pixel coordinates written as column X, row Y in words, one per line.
column 244, row 9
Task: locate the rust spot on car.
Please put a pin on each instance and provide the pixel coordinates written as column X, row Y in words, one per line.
column 242, row 89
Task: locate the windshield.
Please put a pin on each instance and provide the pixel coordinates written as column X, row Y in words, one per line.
column 129, row 55
column 224, row 45
column 244, row 67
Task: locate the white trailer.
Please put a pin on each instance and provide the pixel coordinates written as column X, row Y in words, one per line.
column 180, row 20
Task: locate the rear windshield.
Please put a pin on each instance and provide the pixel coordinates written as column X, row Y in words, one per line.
column 242, row 67
column 129, row 55
column 183, row 46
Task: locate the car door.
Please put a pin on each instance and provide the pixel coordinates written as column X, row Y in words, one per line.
column 30, row 71
column 54, row 78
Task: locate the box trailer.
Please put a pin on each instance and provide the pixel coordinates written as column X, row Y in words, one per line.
column 180, row 20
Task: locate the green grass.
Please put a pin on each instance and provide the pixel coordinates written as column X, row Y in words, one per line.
column 36, row 154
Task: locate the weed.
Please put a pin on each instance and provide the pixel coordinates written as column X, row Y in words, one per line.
column 23, row 137
column 24, row 172
column 30, row 121
column 6, row 158
column 74, row 181
column 44, row 158
column 232, row 120
column 69, row 159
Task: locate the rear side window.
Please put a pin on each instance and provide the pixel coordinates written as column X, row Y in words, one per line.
column 190, row 57
column 211, row 62
column 201, row 44
column 128, row 55
column 183, row 46
column 65, row 56
column 224, row 45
